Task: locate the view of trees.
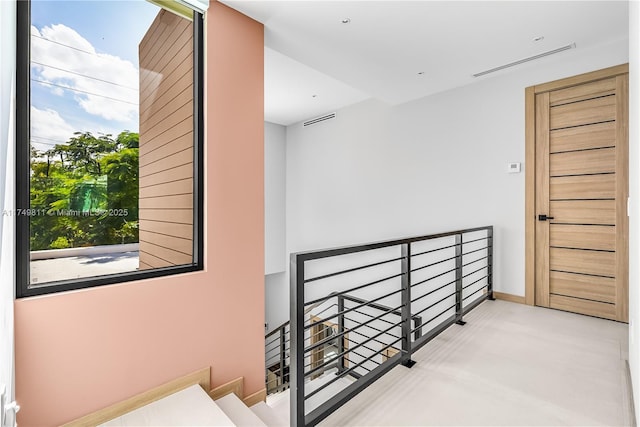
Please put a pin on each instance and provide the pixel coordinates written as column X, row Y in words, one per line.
column 85, row 192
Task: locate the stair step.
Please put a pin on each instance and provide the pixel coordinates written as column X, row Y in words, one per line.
column 238, row 412
column 280, row 401
column 268, row 415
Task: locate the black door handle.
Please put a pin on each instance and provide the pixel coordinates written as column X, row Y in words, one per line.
column 544, row 217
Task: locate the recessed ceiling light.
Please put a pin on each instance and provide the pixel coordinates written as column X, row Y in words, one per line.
column 538, row 38
column 346, row 20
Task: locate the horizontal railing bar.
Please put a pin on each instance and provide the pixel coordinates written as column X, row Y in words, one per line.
column 322, row 311
column 368, row 348
column 474, row 272
column 276, row 329
column 306, row 374
column 342, row 374
column 434, row 304
column 340, row 313
column 370, row 315
column 340, row 334
column 363, row 335
column 366, row 325
column 424, row 339
column 479, row 259
column 474, row 304
column 311, row 255
column 374, row 305
column 476, row 240
column 434, row 318
column 335, row 294
column 473, row 283
column 432, row 264
column 433, row 277
column 350, row 270
column 435, row 290
column 436, row 250
column 473, row 293
column 476, row 250
column 340, row 398
column 363, row 367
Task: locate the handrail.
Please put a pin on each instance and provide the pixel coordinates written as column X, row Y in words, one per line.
column 458, row 268
column 307, row 311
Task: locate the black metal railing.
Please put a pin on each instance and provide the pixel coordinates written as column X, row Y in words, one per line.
column 358, row 311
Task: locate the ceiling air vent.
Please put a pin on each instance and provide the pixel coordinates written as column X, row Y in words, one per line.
column 522, row 61
column 319, row 119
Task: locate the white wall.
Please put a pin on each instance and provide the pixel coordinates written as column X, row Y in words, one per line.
column 7, row 100
column 634, row 192
column 274, row 197
column 435, row 164
column 276, row 286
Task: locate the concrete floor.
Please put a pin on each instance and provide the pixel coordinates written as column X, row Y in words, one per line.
column 511, row 365
column 50, row 270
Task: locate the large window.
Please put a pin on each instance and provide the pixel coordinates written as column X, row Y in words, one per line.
column 109, row 144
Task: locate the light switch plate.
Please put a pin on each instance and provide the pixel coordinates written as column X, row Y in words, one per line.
column 513, row 167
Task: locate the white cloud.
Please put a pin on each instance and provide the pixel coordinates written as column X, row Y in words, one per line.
column 48, row 128
column 104, row 85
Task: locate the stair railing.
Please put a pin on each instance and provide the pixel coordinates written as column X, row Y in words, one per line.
column 383, row 301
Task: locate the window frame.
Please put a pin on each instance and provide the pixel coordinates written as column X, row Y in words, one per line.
column 23, row 158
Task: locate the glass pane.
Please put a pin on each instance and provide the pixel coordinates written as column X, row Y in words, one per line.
column 111, row 185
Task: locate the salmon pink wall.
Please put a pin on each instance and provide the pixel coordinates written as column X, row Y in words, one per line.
column 80, row 351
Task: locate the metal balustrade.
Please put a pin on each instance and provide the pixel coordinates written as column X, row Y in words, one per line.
column 358, row 311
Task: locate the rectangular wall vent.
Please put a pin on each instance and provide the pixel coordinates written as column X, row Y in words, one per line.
column 320, row 119
column 522, row 61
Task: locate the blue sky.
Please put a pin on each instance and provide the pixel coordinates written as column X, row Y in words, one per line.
column 92, row 47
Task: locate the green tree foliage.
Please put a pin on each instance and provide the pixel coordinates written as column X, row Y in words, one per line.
column 85, row 192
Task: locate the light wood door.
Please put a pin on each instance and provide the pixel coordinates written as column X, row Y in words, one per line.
column 581, row 186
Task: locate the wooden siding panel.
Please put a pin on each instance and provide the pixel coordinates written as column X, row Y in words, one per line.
column 181, row 143
column 181, row 201
column 169, row 229
column 173, row 188
column 166, row 144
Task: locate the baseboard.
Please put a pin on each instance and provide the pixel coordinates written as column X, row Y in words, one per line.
column 234, row 386
column 257, row 397
column 509, row 297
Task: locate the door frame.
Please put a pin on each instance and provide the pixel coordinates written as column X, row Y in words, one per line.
column 530, row 166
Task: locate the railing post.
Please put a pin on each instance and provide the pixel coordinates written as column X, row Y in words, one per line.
column 459, row 309
column 283, row 356
column 340, row 343
column 296, row 333
column 406, row 306
column 490, row 263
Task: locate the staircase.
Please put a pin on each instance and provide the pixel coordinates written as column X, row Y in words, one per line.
column 275, row 412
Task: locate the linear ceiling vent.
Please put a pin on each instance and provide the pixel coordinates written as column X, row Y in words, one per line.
column 320, row 119
column 522, row 61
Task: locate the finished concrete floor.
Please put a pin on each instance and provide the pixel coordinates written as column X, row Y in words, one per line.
column 510, row 365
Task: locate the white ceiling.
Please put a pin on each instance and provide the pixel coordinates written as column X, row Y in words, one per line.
column 379, row 54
